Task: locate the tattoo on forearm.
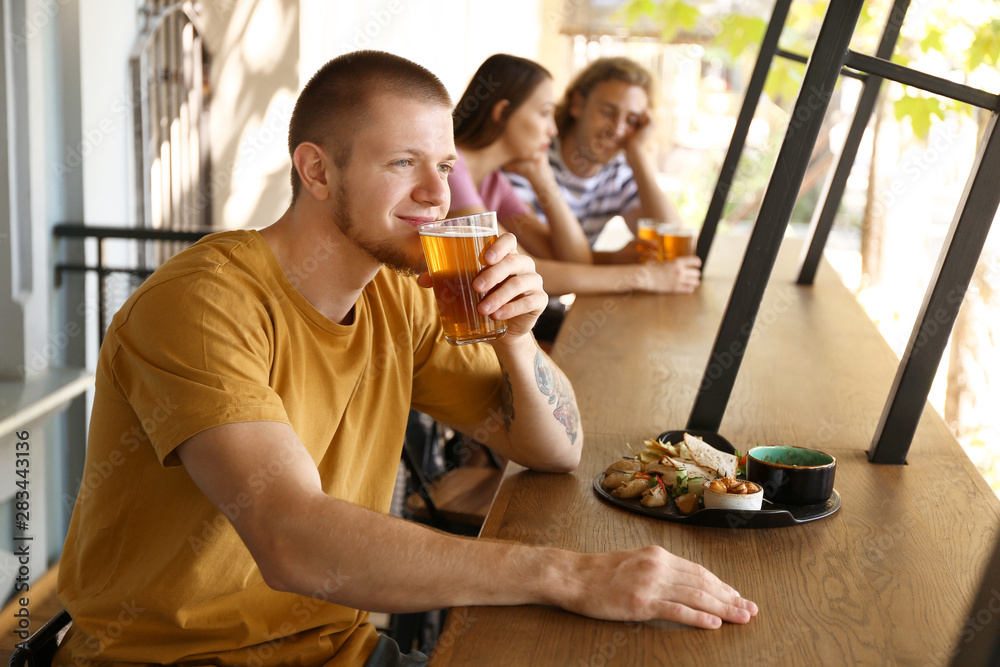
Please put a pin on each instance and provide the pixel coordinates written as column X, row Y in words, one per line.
column 557, row 389
column 506, row 399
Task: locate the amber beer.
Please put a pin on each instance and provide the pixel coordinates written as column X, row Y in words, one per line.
column 675, row 241
column 454, row 252
column 647, row 232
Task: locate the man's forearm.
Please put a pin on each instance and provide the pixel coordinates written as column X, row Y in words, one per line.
column 338, row 552
column 567, row 277
column 539, row 411
column 370, row 561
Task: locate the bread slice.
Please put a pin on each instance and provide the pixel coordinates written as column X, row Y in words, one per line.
column 693, row 469
column 707, row 456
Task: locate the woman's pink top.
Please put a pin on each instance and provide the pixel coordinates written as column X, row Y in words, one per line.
column 494, row 194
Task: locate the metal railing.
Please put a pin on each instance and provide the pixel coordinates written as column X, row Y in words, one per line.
column 116, row 283
column 957, row 261
column 168, row 70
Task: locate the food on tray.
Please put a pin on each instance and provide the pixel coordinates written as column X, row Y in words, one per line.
column 733, row 494
column 625, row 465
column 632, row 489
column 735, row 486
column 616, row 479
column 709, row 457
column 687, row 503
column 671, row 472
column 654, row 496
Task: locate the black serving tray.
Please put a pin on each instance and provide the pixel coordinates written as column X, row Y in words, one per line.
column 771, row 515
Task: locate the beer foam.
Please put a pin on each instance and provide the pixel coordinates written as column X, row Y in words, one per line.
column 463, row 231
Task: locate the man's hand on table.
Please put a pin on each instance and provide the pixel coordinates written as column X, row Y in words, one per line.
column 649, row 583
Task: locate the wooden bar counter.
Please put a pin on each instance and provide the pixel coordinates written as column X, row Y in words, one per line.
column 888, row 579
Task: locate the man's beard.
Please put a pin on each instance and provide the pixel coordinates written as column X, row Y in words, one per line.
column 601, row 149
column 593, row 153
column 382, row 251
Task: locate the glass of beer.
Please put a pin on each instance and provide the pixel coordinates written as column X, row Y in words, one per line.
column 647, row 232
column 454, row 252
column 675, row 241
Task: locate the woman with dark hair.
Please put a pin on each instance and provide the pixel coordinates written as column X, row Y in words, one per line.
column 505, row 119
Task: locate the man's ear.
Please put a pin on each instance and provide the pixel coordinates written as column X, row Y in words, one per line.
column 311, row 164
column 576, row 104
column 499, row 109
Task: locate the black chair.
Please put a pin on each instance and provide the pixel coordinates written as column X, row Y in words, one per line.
column 454, row 499
column 39, row 649
column 457, row 498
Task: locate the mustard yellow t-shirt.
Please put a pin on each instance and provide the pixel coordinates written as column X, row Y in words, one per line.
column 151, row 571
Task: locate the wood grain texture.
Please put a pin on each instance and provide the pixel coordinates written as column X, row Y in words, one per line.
column 462, row 495
column 886, row 580
column 43, row 606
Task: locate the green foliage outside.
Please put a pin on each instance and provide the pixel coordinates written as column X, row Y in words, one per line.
column 965, row 35
column 958, row 40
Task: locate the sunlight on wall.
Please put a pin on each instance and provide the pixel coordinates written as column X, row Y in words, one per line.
column 449, row 37
column 262, row 157
column 267, row 49
column 255, row 78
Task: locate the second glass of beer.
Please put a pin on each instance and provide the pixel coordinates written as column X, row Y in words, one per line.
column 675, row 241
column 647, row 231
column 454, row 252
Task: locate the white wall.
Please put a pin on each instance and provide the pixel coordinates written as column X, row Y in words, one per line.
column 107, row 33
column 265, row 51
column 449, row 37
column 255, row 77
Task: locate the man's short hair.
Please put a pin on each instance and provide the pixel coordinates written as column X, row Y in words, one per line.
column 599, row 71
column 333, row 106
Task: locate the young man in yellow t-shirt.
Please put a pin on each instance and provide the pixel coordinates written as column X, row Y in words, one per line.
column 251, row 403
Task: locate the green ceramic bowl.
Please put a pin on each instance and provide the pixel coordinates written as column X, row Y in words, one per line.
column 792, row 475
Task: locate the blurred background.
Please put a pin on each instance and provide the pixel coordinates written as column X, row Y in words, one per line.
column 151, row 115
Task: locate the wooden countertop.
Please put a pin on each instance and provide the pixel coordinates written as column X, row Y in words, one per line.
column 888, row 579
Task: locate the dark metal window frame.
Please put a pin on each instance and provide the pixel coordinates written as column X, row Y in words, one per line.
column 957, row 261
column 81, row 232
